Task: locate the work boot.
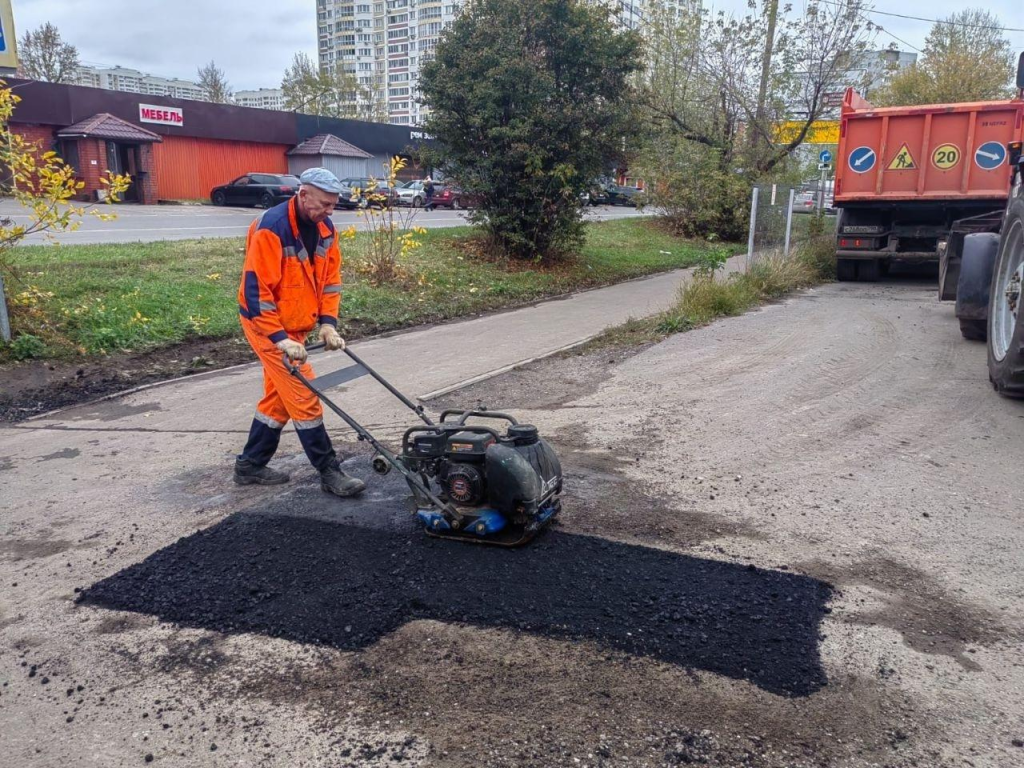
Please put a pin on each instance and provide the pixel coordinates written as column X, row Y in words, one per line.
column 334, row 480
column 247, row 473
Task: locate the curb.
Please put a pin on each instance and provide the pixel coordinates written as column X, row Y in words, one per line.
column 498, row 371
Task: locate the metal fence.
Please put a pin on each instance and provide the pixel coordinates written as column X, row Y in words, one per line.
column 781, row 217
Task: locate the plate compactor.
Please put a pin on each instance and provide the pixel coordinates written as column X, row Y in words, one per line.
column 469, row 481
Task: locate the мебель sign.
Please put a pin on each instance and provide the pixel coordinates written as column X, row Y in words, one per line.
column 149, row 113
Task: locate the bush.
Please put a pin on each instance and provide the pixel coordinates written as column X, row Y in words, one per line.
column 694, row 194
column 26, row 346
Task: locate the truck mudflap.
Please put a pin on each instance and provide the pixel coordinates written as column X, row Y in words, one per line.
column 951, row 250
column 975, row 283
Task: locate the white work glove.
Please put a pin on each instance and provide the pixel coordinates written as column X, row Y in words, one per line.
column 295, row 351
column 330, row 337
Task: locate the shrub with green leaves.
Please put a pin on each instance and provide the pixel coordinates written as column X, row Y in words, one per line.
column 697, row 196
column 529, row 101
column 26, row 346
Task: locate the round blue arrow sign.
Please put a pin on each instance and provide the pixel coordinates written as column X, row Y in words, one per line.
column 990, row 155
column 862, row 159
column 825, row 156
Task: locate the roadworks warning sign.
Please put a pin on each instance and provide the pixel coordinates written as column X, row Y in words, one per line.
column 903, row 161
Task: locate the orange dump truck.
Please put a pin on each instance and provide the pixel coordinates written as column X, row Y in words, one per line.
column 911, row 182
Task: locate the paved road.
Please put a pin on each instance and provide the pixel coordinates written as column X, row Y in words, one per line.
column 146, row 223
column 835, row 466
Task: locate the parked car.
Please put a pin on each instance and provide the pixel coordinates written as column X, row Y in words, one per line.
column 381, row 196
column 445, row 197
column 620, row 195
column 410, row 193
column 461, row 198
column 265, row 189
column 804, row 202
column 597, row 196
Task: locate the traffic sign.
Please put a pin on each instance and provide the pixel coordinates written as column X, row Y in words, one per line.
column 946, row 156
column 902, row 160
column 833, row 99
column 990, row 155
column 862, row 159
column 824, row 166
column 824, row 156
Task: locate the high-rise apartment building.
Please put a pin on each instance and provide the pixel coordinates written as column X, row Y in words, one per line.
column 262, row 98
column 133, row 81
column 383, row 43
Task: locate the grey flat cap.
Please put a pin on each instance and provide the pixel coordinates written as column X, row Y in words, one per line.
column 321, row 178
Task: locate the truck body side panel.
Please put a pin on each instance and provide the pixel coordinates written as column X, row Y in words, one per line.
column 948, row 152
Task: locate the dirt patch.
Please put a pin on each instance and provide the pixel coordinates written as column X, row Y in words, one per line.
column 929, row 619
column 32, row 388
column 544, row 385
column 32, row 549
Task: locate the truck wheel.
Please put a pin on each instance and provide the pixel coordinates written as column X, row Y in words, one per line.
column 846, row 270
column 973, row 330
column 1005, row 333
column 976, row 261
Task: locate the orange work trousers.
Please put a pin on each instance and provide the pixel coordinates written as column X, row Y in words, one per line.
column 284, row 396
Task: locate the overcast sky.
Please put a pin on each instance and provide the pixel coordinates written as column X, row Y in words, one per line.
column 253, row 41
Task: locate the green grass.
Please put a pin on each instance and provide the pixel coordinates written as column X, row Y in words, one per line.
column 94, row 299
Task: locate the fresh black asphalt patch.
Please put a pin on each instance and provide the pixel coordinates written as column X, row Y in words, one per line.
column 284, row 570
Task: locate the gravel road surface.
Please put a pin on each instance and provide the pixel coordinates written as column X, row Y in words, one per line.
column 790, row 539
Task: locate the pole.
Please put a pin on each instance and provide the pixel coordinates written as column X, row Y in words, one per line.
column 5, row 321
column 753, row 227
column 821, row 190
column 789, row 218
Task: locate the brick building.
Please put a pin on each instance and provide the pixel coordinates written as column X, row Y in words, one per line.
column 175, row 149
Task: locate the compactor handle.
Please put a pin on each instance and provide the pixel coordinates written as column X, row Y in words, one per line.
column 463, row 415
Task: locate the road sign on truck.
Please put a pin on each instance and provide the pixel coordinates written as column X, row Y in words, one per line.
column 904, row 175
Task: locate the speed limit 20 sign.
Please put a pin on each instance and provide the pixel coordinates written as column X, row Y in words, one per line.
column 946, row 156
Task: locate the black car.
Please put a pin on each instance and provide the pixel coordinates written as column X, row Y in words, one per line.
column 619, row 195
column 265, row 189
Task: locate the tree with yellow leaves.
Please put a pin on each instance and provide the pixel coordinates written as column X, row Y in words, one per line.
column 45, row 187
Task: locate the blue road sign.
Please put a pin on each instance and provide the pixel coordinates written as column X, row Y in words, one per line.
column 824, row 156
column 990, row 155
column 862, row 159
column 3, row 37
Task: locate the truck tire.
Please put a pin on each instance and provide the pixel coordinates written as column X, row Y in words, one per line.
column 974, row 330
column 846, row 270
column 1005, row 333
column 977, row 260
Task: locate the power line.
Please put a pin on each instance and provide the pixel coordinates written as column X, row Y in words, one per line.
column 885, row 31
column 932, row 21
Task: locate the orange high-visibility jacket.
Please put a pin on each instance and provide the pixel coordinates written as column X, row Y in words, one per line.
column 284, row 290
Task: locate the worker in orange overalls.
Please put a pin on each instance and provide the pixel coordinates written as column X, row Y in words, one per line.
column 291, row 281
